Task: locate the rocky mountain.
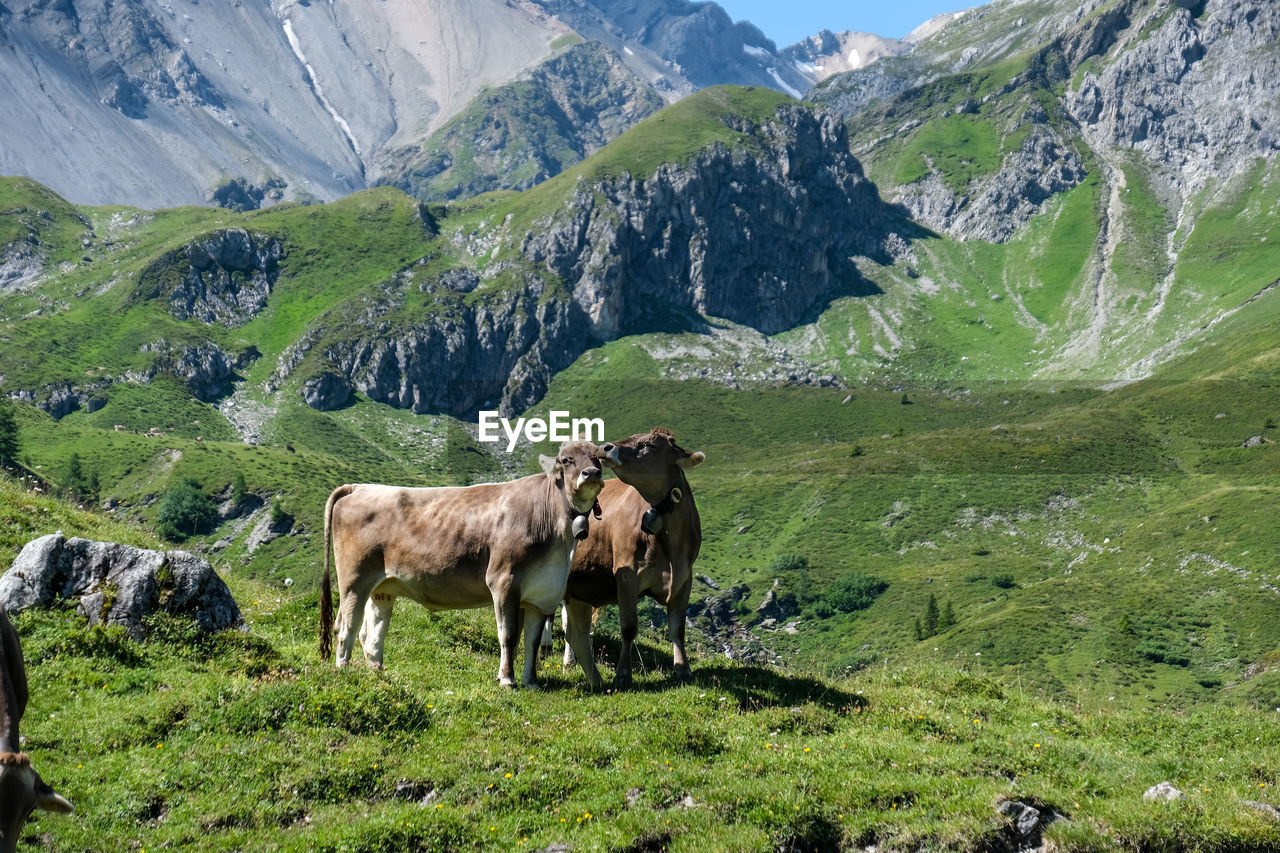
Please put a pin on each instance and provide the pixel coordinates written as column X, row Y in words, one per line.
column 1155, row 81
column 724, row 230
column 827, row 53
column 157, row 104
column 526, row 131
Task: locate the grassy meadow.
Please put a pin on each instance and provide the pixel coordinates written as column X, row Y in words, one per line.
column 245, row 740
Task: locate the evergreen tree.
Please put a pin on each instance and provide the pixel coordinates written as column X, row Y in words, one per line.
column 8, row 434
column 76, row 483
column 948, row 617
column 239, row 491
column 930, row 623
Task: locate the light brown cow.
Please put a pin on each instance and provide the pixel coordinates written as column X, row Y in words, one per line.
column 645, row 544
column 22, row 791
column 450, row 548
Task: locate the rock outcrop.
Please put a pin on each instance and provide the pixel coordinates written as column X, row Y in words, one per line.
column 993, row 208
column 1192, row 89
column 755, row 236
column 760, row 232
column 1183, row 86
column 223, row 277
column 206, row 368
column 118, row 584
column 522, row 133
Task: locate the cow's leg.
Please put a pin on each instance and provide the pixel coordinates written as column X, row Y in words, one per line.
column 577, row 640
column 570, row 656
column 506, row 609
column 534, row 622
column 627, row 594
column 544, row 648
column 352, row 596
column 373, row 633
column 677, row 611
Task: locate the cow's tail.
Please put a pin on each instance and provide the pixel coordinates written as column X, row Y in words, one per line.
column 326, row 590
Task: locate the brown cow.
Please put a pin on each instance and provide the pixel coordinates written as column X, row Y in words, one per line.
column 22, row 791
column 645, row 544
column 450, row 548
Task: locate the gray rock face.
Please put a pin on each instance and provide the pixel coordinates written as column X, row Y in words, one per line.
column 62, row 400
column 757, row 238
column 155, row 105
column 468, row 357
column 995, row 207
column 1194, row 94
column 224, row 277
column 118, row 584
column 683, row 46
column 523, row 133
column 207, row 369
column 327, row 392
column 758, row 234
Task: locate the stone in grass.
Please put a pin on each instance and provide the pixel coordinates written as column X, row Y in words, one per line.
column 118, row 584
column 1164, row 791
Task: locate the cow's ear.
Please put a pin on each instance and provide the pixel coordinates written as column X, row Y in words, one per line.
column 693, row 460
column 548, row 463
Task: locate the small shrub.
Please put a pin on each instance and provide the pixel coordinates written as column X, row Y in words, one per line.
column 1003, row 581
column 185, row 510
column 8, row 434
column 785, row 564
column 278, row 514
column 239, row 491
column 855, row 592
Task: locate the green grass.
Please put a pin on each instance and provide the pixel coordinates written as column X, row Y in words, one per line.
column 959, row 147
column 246, row 740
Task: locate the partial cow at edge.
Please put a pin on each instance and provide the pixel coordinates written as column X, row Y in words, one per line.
column 457, row 547
column 645, row 544
column 22, row 791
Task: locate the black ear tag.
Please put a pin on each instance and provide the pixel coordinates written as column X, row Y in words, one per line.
column 581, row 527
column 652, row 522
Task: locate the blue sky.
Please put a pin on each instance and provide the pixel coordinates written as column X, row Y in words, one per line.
column 788, row 21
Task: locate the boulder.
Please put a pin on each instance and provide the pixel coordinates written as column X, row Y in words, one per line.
column 118, row 584
column 1164, row 791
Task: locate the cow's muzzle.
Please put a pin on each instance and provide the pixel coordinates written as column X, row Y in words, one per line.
column 610, row 455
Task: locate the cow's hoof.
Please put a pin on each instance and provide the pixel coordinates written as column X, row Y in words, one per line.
column 622, row 682
column 532, row 685
column 508, row 682
column 682, row 674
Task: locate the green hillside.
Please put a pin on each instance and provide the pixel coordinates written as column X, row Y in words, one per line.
column 243, row 740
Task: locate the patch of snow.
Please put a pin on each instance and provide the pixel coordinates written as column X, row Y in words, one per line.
column 752, row 50
column 315, row 86
column 628, row 51
column 773, row 72
column 855, row 59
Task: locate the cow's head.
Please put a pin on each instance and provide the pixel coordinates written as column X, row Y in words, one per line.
column 576, row 471
column 22, row 791
column 650, row 462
